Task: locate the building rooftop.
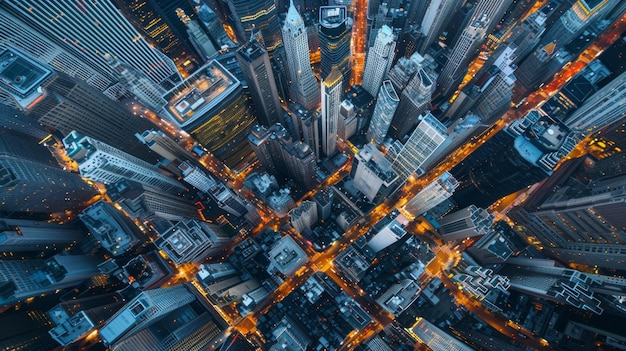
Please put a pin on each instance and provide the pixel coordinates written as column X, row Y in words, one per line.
column 287, row 256
column 332, row 16
column 22, row 76
column 377, row 163
column 199, row 93
column 109, row 227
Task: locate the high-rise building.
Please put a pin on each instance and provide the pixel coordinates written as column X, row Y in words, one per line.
column 378, row 60
column 464, row 51
column 465, row 223
column 335, row 32
column 332, row 91
column 386, row 105
column 258, row 16
column 602, row 109
column 159, row 27
column 199, row 39
column 164, row 146
column 103, row 163
column 348, row 120
column 211, row 106
column 324, row 200
column 525, row 152
column 574, row 21
column 371, row 172
column 413, row 102
column 435, row 338
column 432, row 195
column 303, row 88
column 191, row 241
column 18, row 235
column 58, row 101
column 420, row 146
column 32, row 181
column 91, row 30
column 540, row 66
column 304, row 216
column 21, row 279
column 113, row 230
column 147, row 204
column 255, row 66
column 491, row 12
column 436, row 16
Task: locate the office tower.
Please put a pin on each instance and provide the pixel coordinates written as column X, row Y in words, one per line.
column 540, row 67
column 465, row 223
column 432, row 195
column 525, row 152
column 491, row 11
column 304, row 216
column 602, row 109
column 147, row 204
column 164, row 146
column 18, row 235
column 143, row 89
column 114, row 231
column 464, row 51
column 497, row 89
column 196, row 177
column 199, row 39
column 497, row 245
column 541, row 278
column 371, row 172
column 389, row 234
column 574, row 21
column 267, row 189
column 32, row 181
column 17, row 35
column 211, row 106
column 399, row 296
column 526, row 35
column 402, row 72
column 420, row 146
column 191, row 241
column 105, row 164
column 331, row 99
column 214, row 27
column 348, row 120
column 581, row 224
column 58, row 101
column 363, row 103
column 485, row 286
column 15, row 121
column 435, row 338
column 414, row 100
column 159, row 27
column 436, row 16
column 21, row 279
column 260, row 16
column 281, row 156
column 305, row 126
column 303, row 88
column 335, row 32
column 324, row 200
column 92, row 29
column 162, row 319
column 379, row 59
column 386, row 105
column 256, row 68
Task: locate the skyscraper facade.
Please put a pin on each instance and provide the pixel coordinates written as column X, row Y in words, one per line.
column 378, row 60
column 572, row 23
column 332, row 91
column 522, row 154
column 303, row 88
column 432, row 195
column 386, row 105
column 436, row 16
column 420, row 146
column 256, row 16
column 93, row 29
column 103, row 163
column 255, row 65
column 414, row 101
column 335, row 32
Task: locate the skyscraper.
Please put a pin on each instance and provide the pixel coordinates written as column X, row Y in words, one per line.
column 199, row 39
column 372, row 172
column 413, row 102
column 464, row 51
column 18, row 235
column 378, row 60
column 437, row 14
column 420, row 146
column 435, row 338
column 211, row 106
column 32, row 181
column 113, row 230
column 386, row 105
column 465, row 223
column 58, row 101
column 103, row 163
column 432, row 195
column 257, row 16
column 540, row 66
column 605, row 107
column 93, row 29
column 522, row 154
column 572, row 23
column 255, row 65
column 191, row 240
column 335, row 32
column 303, row 88
column 332, row 91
